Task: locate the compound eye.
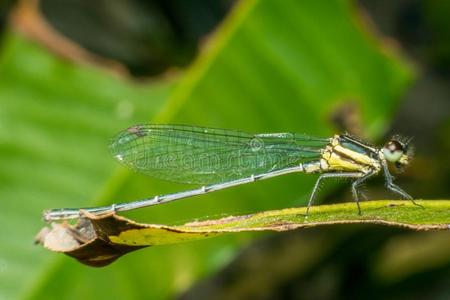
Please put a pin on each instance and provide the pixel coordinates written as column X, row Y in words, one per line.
column 393, row 151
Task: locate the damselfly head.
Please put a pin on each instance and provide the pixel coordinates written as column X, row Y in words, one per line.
column 398, row 151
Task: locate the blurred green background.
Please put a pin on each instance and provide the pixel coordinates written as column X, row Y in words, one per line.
column 75, row 72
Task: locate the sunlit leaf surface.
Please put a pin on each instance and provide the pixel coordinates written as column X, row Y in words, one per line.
column 100, row 240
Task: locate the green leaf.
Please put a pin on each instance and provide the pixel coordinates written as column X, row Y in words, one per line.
column 55, row 121
column 100, row 240
column 272, row 66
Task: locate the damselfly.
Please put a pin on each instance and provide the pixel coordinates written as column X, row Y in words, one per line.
column 219, row 159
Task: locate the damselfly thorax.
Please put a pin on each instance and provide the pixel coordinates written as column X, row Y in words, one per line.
column 345, row 153
column 219, row 158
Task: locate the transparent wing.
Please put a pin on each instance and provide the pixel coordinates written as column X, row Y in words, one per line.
column 201, row 155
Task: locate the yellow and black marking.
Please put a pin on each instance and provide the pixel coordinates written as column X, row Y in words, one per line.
column 345, row 153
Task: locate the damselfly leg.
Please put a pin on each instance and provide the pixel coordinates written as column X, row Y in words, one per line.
column 331, row 175
column 355, row 186
column 393, row 187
